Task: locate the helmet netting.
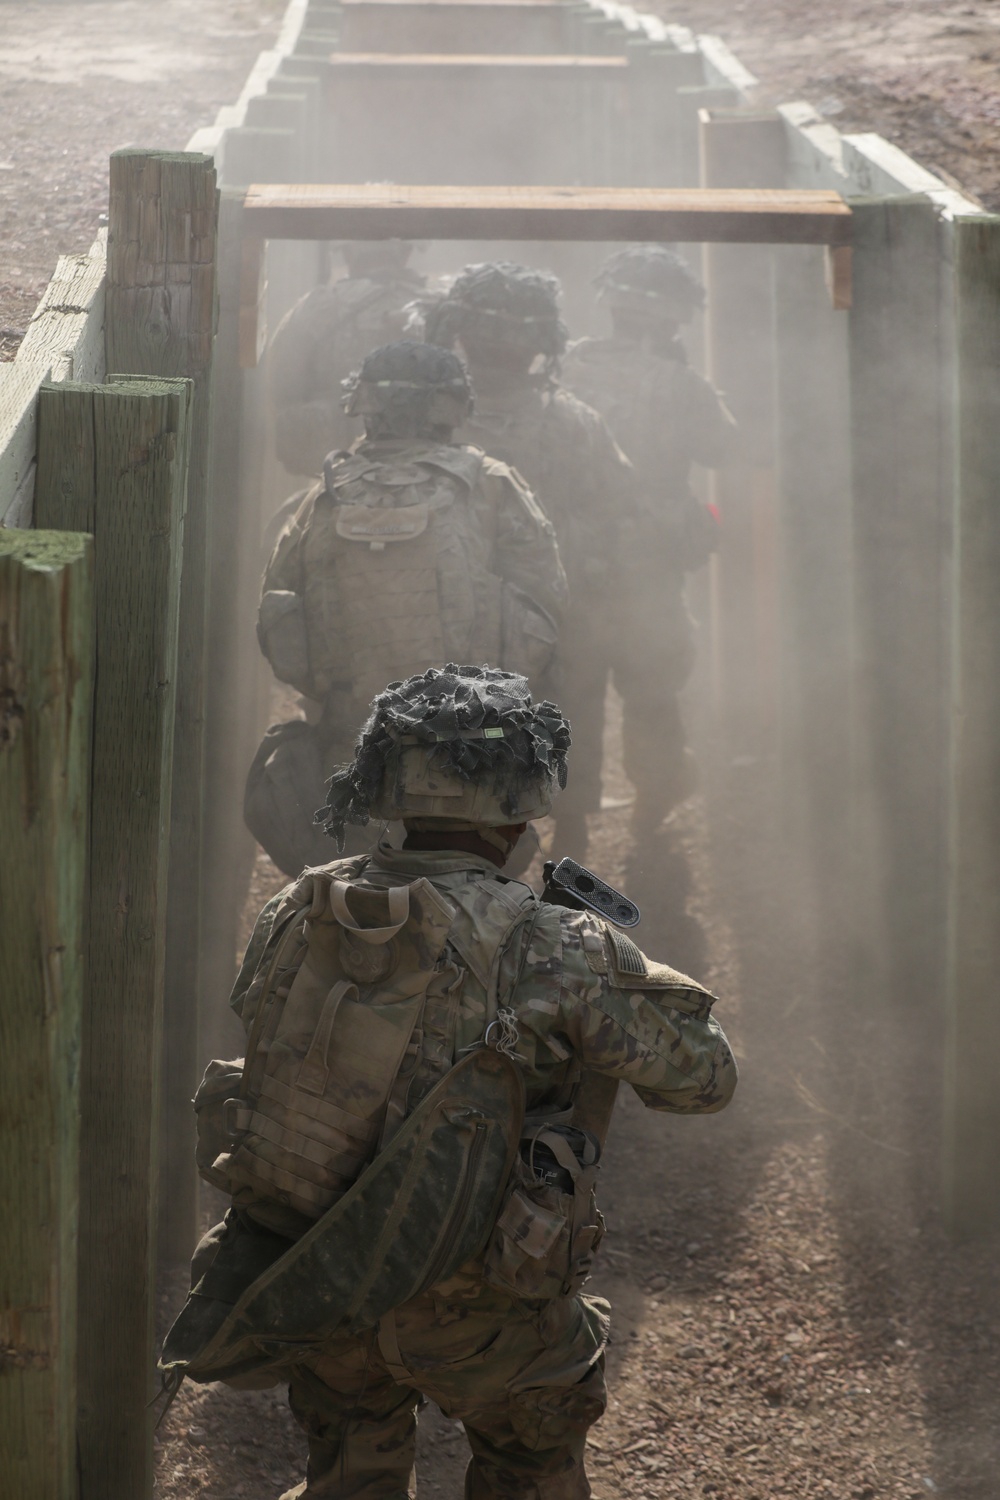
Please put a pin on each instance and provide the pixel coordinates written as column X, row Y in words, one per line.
column 651, row 273
column 448, row 708
column 408, row 387
column 501, row 302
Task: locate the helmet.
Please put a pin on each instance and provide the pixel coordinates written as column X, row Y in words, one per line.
column 410, row 388
column 454, row 747
column 650, row 279
column 498, row 302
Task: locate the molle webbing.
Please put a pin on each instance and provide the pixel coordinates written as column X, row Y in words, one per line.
column 332, row 1051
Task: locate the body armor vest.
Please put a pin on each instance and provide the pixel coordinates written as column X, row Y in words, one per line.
column 354, row 1023
column 396, row 565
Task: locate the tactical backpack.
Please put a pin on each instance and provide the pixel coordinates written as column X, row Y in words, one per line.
column 397, row 577
column 350, row 1197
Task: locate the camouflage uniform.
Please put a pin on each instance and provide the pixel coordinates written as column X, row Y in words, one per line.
column 666, row 417
column 465, row 566
column 524, row 1377
column 576, row 470
column 315, row 347
column 500, row 532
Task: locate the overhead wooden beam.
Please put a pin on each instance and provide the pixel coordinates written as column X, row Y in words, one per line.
column 422, row 62
column 372, row 210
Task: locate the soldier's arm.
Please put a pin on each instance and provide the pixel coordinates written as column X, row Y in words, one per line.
column 244, row 993
column 526, row 550
column 640, row 1022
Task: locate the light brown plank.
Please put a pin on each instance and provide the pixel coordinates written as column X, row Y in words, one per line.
column 709, row 215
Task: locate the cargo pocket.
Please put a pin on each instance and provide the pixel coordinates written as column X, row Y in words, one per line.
column 544, row 1241
column 554, row 1417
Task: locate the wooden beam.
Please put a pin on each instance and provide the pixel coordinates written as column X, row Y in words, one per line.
column 111, row 462
column 693, row 215
column 160, row 321
column 373, row 210
column 972, row 1100
column 46, row 682
column 424, row 62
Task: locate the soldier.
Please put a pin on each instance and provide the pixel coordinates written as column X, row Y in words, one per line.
column 506, row 319
column 666, row 417
column 324, row 337
column 411, row 549
column 411, row 1175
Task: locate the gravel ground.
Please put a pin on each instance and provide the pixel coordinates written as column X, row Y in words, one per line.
column 790, row 1318
column 923, row 73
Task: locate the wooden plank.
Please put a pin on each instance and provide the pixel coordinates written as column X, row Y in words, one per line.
column 19, row 383
column 421, row 62
column 111, row 463
column 233, row 722
column 737, row 148
column 972, row 1100
column 375, row 210
column 900, row 485
column 46, row 685
column 66, row 328
column 161, row 322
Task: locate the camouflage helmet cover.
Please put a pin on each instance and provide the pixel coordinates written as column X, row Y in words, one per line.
column 649, row 279
column 456, row 746
column 411, row 384
column 501, row 302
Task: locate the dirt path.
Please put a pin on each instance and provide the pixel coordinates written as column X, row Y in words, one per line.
column 923, row 73
column 790, row 1320
column 80, row 78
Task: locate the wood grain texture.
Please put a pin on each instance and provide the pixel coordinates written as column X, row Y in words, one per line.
column 163, row 235
column 692, row 215
column 972, row 1100
column 111, row 462
column 901, row 484
column 46, row 685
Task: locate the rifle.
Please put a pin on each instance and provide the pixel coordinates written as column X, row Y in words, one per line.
column 569, row 884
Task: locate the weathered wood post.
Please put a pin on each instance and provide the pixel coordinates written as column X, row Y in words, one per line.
column 743, row 150
column 901, row 484
column 112, row 461
column 972, row 1099
column 160, row 321
column 46, row 685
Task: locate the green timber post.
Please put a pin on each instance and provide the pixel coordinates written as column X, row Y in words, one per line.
column 160, row 321
column 900, row 523
column 112, row 461
column 972, row 1032
column 46, row 688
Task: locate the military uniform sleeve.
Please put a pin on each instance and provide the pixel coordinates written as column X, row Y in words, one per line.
column 244, row 991
column 525, row 540
column 641, row 1022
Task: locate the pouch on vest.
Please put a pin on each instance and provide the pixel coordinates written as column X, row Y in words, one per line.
column 549, row 1228
column 528, row 633
column 423, row 1207
column 332, row 1048
column 285, row 785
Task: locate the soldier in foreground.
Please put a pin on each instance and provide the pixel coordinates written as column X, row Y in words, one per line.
column 505, row 318
column 667, row 418
column 411, row 550
column 324, row 337
column 412, row 1184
